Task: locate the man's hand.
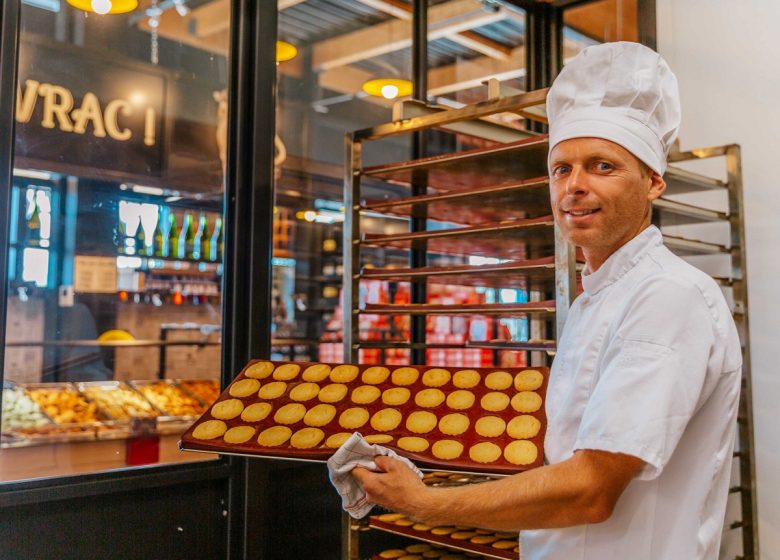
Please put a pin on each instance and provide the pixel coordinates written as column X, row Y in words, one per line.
column 397, row 487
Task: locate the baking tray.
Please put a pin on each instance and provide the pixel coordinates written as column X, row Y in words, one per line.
column 423, row 459
column 510, row 200
column 504, row 309
column 413, row 551
column 515, row 239
column 465, row 545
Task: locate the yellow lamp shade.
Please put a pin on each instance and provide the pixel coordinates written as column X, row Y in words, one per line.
column 389, row 88
column 115, row 334
column 105, row 6
column 285, row 51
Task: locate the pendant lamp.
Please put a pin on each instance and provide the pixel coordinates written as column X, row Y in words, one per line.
column 105, row 6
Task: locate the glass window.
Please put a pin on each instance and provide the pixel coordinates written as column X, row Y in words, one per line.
column 115, row 274
column 597, row 22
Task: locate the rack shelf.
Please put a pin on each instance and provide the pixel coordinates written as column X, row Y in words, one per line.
column 504, row 309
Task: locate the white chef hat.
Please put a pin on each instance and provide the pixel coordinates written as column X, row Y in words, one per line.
column 623, row 92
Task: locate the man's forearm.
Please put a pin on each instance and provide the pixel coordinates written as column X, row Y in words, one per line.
column 547, row 497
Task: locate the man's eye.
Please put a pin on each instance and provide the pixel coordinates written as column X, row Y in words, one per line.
column 604, row 166
column 561, row 170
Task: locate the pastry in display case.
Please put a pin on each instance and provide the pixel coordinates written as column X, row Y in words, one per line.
column 20, row 411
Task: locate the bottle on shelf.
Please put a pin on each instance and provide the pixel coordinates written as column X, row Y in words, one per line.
column 162, row 247
column 197, row 240
column 173, row 238
column 214, row 252
column 34, row 225
column 184, row 245
column 220, row 242
column 140, row 241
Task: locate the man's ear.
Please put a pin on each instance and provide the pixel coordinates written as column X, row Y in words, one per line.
column 657, row 186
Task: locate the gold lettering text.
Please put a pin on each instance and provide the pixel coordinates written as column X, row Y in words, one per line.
column 149, row 127
column 57, row 102
column 112, row 124
column 89, row 112
column 25, row 101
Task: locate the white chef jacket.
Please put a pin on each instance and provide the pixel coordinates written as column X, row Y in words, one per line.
column 648, row 365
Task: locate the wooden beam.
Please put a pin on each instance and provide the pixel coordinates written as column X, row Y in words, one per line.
column 444, row 20
column 468, row 39
column 214, row 17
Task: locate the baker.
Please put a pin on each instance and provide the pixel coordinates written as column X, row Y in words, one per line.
column 643, row 393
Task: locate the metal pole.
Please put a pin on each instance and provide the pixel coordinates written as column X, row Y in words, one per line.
column 248, row 203
column 418, row 257
column 9, row 44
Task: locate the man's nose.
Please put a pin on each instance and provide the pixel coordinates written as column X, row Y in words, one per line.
column 577, row 182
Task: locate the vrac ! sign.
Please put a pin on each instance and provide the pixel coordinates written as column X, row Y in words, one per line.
column 82, row 112
column 101, row 120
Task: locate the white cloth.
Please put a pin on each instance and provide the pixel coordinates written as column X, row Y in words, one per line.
column 648, row 365
column 357, row 452
column 623, row 92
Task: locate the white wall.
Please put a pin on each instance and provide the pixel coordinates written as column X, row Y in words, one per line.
column 726, row 54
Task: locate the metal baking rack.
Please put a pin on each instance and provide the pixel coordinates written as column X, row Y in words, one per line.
column 496, row 201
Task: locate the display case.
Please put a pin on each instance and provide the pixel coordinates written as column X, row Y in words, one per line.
column 493, row 203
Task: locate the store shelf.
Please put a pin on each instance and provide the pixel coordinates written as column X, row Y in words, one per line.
column 521, row 239
column 403, row 345
column 505, row 309
column 473, row 169
column 673, row 213
column 522, row 275
column 548, row 346
column 511, row 200
column 689, row 247
column 682, row 181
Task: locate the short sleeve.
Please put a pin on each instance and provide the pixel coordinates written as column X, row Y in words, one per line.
column 652, row 375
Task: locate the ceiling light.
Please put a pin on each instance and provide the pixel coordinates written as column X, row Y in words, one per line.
column 285, row 51
column 105, row 6
column 389, row 88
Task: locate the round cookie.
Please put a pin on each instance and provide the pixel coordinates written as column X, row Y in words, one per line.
column 274, row 436
column 244, row 388
column 316, row 373
column 209, row 429
column 307, row 438
column 484, row 539
column 463, row 535
column 239, row 434
column 304, row 392
column 365, row 394
column 272, row 390
column 460, row 399
column 385, row 420
column 421, row 422
column 227, row 409
column 466, row 378
column 337, row 440
column 259, row 370
column 498, row 380
column 256, row 412
column 490, row 426
column 454, row 424
column 447, row 449
column 392, row 553
column 390, row 517
column 413, row 444
column 521, row 452
column 528, row 380
column 444, row 530
column 523, row 427
column 421, row 527
column 375, row 375
column 319, row 415
column 286, row 372
column 353, row 418
column 395, row 396
column 378, row 438
column 290, row 413
column 405, row 376
column 436, row 377
column 504, row 545
column 429, row 398
column 484, row 452
column 333, row 393
column 526, row 401
column 494, row 401
column 418, row 548
column 344, row 373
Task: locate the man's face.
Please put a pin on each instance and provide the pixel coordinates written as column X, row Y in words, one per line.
column 600, row 195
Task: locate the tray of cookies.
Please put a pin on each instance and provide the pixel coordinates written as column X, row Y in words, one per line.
column 482, row 542
column 421, row 551
column 484, row 420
